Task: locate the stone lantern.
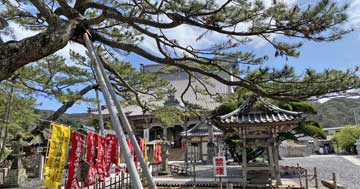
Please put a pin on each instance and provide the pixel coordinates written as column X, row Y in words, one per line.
column 17, row 174
column 164, row 155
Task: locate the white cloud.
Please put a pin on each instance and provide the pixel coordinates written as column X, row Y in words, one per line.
column 187, row 35
column 19, row 32
column 354, row 13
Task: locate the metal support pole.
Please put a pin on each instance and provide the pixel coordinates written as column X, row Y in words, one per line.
column 127, row 126
column 100, row 116
column 114, row 118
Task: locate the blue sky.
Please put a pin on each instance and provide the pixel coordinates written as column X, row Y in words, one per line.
column 341, row 54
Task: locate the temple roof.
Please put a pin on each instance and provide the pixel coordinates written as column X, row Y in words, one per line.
column 256, row 110
column 179, row 80
column 201, row 129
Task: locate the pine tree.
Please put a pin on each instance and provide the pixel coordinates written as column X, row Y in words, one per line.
column 123, row 26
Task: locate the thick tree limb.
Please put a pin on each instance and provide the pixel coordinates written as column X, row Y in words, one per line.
column 14, row 55
column 45, row 11
column 70, row 103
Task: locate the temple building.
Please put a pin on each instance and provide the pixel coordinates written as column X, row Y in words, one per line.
column 145, row 124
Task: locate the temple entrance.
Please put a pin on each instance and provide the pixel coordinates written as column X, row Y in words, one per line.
column 156, row 132
column 176, row 142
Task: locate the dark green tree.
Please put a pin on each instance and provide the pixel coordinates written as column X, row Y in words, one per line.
column 121, row 27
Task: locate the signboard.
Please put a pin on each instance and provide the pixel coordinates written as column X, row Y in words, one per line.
column 220, row 166
column 146, row 135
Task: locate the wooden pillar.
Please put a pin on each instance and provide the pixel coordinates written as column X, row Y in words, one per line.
column 165, row 152
column 201, row 150
column 277, row 166
column 271, row 161
column 244, row 165
column 165, row 133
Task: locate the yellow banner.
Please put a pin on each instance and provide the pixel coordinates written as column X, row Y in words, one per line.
column 56, row 160
column 145, row 151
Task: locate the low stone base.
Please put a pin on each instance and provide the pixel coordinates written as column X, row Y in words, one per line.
column 15, row 177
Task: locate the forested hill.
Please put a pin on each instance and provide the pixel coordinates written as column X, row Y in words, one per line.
column 338, row 112
column 333, row 113
column 74, row 120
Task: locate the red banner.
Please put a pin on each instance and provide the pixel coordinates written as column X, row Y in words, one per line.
column 100, row 162
column 77, row 147
column 142, row 145
column 111, row 152
column 158, row 158
column 90, row 155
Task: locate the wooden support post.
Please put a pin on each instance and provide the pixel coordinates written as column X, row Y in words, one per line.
column 111, row 182
column 271, row 161
column 334, row 179
column 316, row 179
column 306, row 180
column 298, row 171
column 221, row 184
column 121, row 180
column 276, row 161
column 244, row 165
column 201, row 150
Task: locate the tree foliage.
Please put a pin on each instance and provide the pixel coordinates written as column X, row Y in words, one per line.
column 22, row 110
column 338, row 112
column 347, row 137
column 123, row 26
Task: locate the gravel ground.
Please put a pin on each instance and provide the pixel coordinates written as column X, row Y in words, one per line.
column 347, row 172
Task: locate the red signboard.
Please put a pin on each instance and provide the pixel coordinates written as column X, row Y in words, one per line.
column 220, row 166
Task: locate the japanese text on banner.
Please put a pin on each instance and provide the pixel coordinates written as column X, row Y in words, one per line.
column 56, row 160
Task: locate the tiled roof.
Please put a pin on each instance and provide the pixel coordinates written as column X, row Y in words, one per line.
column 201, row 129
column 266, row 113
column 179, row 80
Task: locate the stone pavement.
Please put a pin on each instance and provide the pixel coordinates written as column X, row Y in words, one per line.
column 347, row 168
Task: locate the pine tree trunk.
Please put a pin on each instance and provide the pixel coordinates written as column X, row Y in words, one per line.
column 16, row 54
column 7, row 121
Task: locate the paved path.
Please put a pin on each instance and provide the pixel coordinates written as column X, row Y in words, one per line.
column 347, row 168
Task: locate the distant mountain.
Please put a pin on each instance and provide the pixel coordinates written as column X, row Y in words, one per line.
column 338, row 112
column 74, row 120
